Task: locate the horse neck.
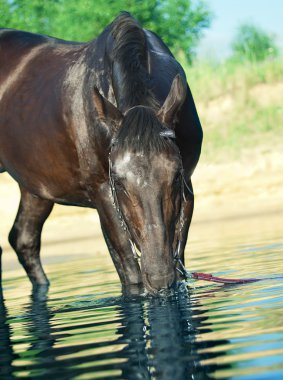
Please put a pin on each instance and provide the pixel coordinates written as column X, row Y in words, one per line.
column 128, row 53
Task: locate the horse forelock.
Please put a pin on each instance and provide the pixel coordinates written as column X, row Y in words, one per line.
column 130, row 55
column 141, row 131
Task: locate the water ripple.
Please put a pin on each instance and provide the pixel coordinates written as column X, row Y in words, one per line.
column 85, row 329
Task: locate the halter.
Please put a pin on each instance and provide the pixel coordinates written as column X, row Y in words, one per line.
column 168, row 133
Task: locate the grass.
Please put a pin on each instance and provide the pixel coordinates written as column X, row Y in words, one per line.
column 209, row 80
column 240, row 106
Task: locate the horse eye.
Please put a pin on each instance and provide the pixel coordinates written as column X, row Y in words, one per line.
column 120, row 187
column 118, row 184
column 177, row 178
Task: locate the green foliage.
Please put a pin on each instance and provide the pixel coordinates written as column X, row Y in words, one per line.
column 253, row 44
column 178, row 22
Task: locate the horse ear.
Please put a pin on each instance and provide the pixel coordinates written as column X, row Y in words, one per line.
column 106, row 111
column 168, row 113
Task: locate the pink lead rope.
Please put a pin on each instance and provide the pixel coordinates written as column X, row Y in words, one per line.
column 209, row 277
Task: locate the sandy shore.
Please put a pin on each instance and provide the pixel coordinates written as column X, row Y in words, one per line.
column 252, row 185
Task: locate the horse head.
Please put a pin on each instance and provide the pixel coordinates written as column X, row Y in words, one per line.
column 145, row 174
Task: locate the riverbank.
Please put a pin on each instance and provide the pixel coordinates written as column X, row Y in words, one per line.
column 251, row 185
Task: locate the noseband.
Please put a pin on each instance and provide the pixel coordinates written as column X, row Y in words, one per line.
column 167, row 133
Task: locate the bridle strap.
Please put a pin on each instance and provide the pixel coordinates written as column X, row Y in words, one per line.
column 119, row 212
column 176, row 255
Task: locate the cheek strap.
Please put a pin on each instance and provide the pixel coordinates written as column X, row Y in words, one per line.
column 119, row 212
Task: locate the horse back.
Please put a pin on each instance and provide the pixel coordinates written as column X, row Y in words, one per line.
column 36, row 136
column 16, row 45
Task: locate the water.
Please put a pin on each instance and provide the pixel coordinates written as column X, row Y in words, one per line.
column 84, row 329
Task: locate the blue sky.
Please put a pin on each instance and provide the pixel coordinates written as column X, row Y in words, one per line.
column 229, row 14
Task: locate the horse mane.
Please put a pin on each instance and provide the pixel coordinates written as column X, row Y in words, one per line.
column 130, row 52
column 140, row 132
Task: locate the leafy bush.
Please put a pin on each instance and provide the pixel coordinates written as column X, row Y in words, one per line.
column 253, row 44
column 178, row 22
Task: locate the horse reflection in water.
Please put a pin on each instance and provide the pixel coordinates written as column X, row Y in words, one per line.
column 158, row 336
column 36, row 318
column 7, row 355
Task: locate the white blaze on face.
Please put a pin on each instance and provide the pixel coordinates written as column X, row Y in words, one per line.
column 132, row 168
column 121, row 165
column 140, row 170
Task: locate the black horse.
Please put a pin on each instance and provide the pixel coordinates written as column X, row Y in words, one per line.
column 110, row 124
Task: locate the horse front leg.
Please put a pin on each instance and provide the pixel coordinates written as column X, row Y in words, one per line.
column 25, row 234
column 118, row 244
column 127, row 268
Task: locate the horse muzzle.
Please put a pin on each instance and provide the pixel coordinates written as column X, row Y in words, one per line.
column 158, row 281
